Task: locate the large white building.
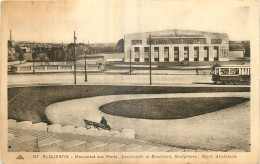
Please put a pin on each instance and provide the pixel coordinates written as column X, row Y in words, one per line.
column 176, row 45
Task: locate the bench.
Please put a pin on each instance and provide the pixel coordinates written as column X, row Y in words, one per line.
column 96, row 125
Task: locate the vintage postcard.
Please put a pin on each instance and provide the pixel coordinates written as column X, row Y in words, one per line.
column 128, row 81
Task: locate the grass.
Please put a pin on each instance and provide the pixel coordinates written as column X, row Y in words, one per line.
column 29, row 103
column 169, row 108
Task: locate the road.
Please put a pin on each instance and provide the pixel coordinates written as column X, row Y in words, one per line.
column 107, row 79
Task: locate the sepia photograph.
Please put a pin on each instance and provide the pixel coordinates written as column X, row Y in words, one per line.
column 115, row 81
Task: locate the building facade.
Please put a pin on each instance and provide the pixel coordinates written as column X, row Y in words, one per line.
column 176, row 45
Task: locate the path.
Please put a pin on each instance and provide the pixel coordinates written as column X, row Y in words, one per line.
column 221, row 130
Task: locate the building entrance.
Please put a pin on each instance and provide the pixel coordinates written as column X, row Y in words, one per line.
column 137, row 54
column 166, row 53
column 146, row 54
column 215, row 53
column 156, row 53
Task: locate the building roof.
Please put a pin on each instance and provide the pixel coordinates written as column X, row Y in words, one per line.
column 180, row 33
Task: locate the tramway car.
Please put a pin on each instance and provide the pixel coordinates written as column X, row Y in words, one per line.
column 238, row 74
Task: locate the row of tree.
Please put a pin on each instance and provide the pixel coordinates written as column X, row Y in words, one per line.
column 15, row 52
column 234, row 45
column 63, row 53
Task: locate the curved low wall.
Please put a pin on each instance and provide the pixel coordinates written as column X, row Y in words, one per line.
column 29, row 103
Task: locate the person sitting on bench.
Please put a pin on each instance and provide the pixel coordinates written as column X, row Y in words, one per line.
column 104, row 122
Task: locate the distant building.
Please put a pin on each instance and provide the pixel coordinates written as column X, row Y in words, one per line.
column 237, row 54
column 239, row 50
column 176, row 45
column 25, row 49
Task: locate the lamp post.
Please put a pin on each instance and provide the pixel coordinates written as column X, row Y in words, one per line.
column 33, row 56
column 86, row 78
column 75, row 79
column 130, row 62
column 150, row 58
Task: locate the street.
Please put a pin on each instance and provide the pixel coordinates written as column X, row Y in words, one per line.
column 106, row 79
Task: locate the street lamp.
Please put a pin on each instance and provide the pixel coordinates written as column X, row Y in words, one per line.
column 33, row 56
column 130, row 62
column 86, row 78
column 75, row 80
column 150, row 39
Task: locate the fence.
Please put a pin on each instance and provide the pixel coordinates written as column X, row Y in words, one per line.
column 54, row 68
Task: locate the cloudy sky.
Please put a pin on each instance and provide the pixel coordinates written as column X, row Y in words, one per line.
column 109, row 20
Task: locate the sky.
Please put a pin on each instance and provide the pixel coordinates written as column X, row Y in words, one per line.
column 103, row 21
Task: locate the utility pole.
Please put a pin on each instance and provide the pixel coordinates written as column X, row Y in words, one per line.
column 75, row 79
column 130, row 62
column 86, row 78
column 10, row 43
column 33, row 56
column 150, row 39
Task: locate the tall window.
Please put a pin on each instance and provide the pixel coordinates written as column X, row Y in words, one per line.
column 156, row 53
column 225, row 53
column 146, row 54
column 176, row 53
column 137, row 54
column 206, row 53
column 186, row 53
column 196, row 53
column 166, row 53
column 215, row 53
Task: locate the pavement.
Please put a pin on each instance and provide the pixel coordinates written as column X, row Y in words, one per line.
column 113, row 79
column 222, row 130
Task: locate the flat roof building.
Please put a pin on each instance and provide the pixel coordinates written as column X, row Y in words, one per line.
column 176, row 45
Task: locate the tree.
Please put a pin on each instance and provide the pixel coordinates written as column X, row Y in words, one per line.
column 120, row 45
column 79, row 51
column 34, row 54
column 17, row 48
column 21, row 56
column 41, row 57
column 11, row 56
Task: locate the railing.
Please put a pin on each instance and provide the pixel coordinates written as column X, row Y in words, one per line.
column 25, row 68
column 40, row 68
column 54, row 68
column 66, row 67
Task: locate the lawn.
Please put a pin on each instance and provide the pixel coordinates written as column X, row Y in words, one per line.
column 169, row 108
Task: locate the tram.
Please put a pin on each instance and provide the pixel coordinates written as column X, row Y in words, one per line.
column 237, row 74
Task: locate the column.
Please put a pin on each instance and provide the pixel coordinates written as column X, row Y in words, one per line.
column 191, row 53
column 211, row 55
column 161, row 53
column 132, row 54
column 228, row 55
column 141, row 54
column 152, row 53
column 201, row 53
column 171, row 53
column 220, row 53
column 225, row 54
column 181, row 53
column 125, row 55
